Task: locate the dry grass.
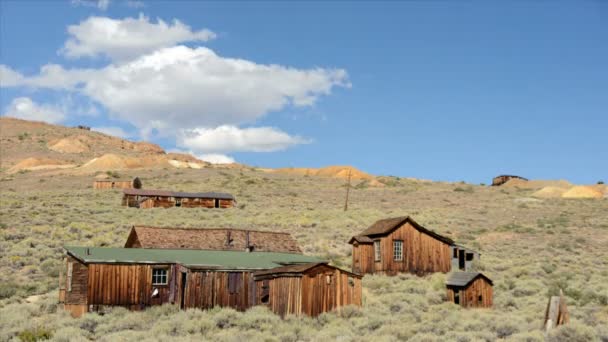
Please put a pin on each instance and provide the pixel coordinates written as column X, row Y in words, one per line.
column 529, row 247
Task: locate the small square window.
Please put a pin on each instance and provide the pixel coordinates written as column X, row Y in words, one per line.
column 159, row 276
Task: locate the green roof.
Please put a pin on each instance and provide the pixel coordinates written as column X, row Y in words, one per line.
column 227, row 260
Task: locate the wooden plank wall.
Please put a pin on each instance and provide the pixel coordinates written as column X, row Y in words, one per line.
column 198, row 203
column 205, row 290
column 422, row 254
column 363, row 258
column 76, row 292
column 125, row 285
column 469, row 296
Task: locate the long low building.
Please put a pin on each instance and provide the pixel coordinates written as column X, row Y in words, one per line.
column 139, row 198
column 136, row 278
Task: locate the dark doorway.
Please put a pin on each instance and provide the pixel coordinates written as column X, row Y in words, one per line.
column 217, row 203
column 456, row 297
column 461, row 262
column 182, row 303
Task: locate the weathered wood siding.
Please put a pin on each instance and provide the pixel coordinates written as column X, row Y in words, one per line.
column 470, row 296
column 198, row 203
column 125, row 285
column 422, row 254
column 76, row 282
column 320, row 290
column 169, row 202
column 225, row 203
column 207, row 289
column 363, row 258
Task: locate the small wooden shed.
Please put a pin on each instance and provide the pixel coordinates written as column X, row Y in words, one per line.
column 138, row 198
column 400, row 244
column 137, row 278
column 117, row 184
column 502, row 179
column 222, row 239
column 469, row 289
column 307, row 289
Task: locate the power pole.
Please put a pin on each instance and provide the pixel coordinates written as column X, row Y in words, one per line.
column 347, row 191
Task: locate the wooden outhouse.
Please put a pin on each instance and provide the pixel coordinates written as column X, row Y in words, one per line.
column 502, row 179
column 469, row 289
column 137, row 278
column 227, row 239
column 400, row 244
column 307, row 289
column 117, row 184
column 138, row 198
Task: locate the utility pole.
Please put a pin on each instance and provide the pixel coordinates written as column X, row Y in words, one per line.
column 347, row 190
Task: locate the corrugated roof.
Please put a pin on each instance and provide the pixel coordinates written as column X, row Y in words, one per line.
column 225, row 260
column 464, row 278
column 211, row 239
column 385, row 226
column 166, row 193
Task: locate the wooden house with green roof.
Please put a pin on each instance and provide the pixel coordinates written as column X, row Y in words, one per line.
column 137, row 278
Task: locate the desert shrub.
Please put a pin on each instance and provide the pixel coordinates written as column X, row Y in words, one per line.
column 466, row 189
column 37, row 334
column 573, row 332
column 7, row 289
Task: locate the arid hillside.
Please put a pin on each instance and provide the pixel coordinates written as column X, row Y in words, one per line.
column 531, row 247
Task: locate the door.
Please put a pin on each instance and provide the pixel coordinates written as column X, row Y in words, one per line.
column 182, row 290
column 461, row 262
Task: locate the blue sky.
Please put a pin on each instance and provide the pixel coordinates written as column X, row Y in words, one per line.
column 440, row 90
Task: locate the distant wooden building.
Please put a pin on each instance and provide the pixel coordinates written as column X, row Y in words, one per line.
column 137, row 278
column 227, row 239
column 399, row 244
column 469, row 289
column 138, row 198
column 502, row 179
column 117, row 184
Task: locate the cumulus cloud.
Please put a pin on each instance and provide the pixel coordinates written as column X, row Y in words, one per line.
column 122, row 39
column 100, row 4
column 182, row 87
column 215, row 158
column 233, row 139
column 9, row 77
column 25, row 108
column 113, row 131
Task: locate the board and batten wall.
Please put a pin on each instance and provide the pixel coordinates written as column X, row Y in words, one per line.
column 470, row 295
column 422, row 253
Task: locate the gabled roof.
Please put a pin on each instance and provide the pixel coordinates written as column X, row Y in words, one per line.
column 211, row 239
column 166, row 193
column 296, row 270
column 217, row 260
column 464, row 278
column 385, row 226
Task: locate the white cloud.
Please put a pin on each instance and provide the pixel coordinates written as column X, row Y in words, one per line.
column 122, row 39
column 25, row 108
column 180, row 87
column 9, row 77
column 234, row 139
column 100, row 4
column 113, row 131
column 215, row 158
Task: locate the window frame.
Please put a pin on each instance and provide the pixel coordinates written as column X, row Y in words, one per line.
column 166, row 276
column 377, row 250
column 395, row 244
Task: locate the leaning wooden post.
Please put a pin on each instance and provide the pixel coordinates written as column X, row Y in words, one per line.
column 556, row 313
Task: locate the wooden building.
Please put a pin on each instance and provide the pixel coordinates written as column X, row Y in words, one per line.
column 399, row 244
column 469, row 289
column 117, row 184
column 137, row 278
column 502, row 179
column 227, row 239
column 138, row 198
column 309, row 289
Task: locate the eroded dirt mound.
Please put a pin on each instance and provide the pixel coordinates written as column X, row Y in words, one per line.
column 70, row 145
column 329, row 171
column 583, row 191
column 32, row 164
column 537, row 184
column 550, row 192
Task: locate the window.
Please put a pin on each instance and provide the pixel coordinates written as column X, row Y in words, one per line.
column 351, row 281
column 455, row 253
column 397, row 250
column 377, row 254
column 159, row 276
column 469, row 256
column 480, row 299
